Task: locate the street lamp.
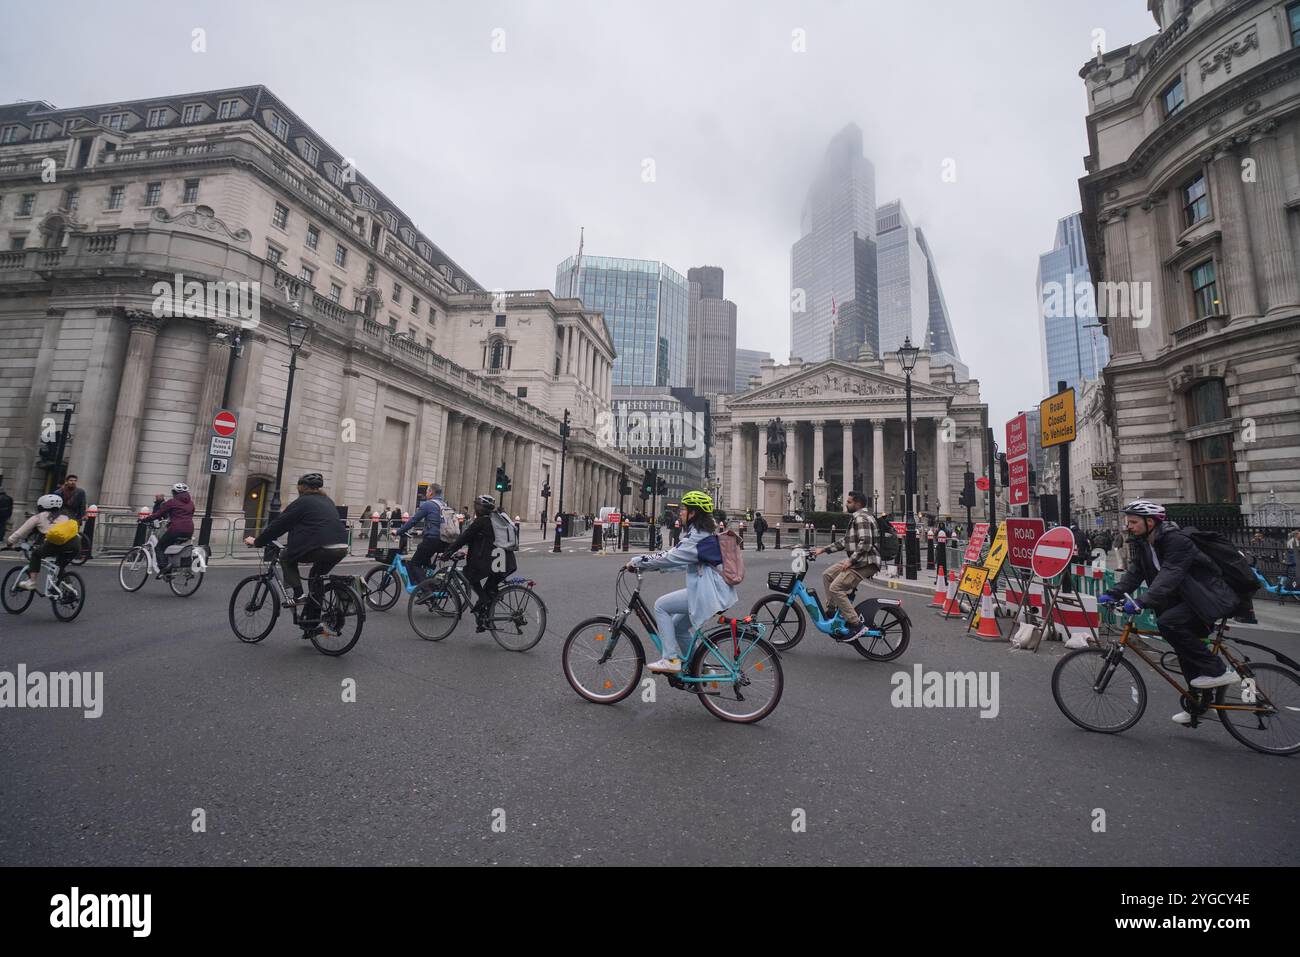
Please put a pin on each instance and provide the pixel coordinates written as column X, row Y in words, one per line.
column 907, row 356
column 298, row 331
column 559, row 508
column 236, row 346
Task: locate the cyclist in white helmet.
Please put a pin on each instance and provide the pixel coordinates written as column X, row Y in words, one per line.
column 179, row 512
column 1185, row 589
column 62, row 545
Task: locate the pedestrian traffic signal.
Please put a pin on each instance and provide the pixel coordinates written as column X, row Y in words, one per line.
column 546, row 489
column 663, row 487
column 648, row 486
column 968, row 491
column 1004, row 470
column 624, row 486
column 503, row 480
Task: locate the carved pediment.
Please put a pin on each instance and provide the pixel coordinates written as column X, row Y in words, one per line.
column 830, row 381
column 203, row 220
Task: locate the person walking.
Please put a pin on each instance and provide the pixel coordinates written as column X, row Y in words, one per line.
column 760, row 528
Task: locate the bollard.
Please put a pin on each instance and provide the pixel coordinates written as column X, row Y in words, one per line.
column 597, row 540
column 778, row 537
column 88, row 529
column 929, row 549
column 374, row 535
column 622, row 531
column 832, row 534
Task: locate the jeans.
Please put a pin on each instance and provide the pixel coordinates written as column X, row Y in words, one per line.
column 322, row 561
column 673, row 616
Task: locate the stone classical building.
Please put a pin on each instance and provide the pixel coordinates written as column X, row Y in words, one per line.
column 99, row 205
column 556, row 355
column 844, row 428
column 1093, row 495
column 1192, row 201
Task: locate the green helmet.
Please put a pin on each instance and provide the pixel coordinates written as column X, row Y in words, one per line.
column 698, row 500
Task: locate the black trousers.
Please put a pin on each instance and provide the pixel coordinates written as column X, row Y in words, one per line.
column 61, row 553
column 169, row 539
column 760, row 539
column 429, row 546
column 486, row 589
column 322, row 562
column 1186, row 631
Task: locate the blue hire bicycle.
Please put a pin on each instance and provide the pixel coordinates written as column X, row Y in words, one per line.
column 387, row 581
column 786, row 613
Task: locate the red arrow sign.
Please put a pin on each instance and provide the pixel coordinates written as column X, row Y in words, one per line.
column 225, row 423
column 1053, row 552
column 1019, row 475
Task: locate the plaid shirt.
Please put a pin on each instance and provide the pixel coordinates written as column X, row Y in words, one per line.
column 860, row 540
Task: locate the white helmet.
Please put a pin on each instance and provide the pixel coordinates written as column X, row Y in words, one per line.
column 180, row 487
column 1146, row 509
column 49, row 503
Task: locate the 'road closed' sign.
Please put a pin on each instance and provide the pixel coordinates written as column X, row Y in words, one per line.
column 1057, row 416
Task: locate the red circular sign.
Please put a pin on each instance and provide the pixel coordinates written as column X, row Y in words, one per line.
column 982, row 483
column 1053, row 552
column 225, row 423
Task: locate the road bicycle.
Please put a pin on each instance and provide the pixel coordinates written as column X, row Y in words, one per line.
column 786, row 613
column 65, row 590
column 189, row 563
column 1100, row 690
column 256, row 601
column 733, row 670
column 516, row 616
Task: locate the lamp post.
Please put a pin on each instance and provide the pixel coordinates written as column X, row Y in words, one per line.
column 298, row 330
column 559, row 508
column 236, row 346
column 907, row 355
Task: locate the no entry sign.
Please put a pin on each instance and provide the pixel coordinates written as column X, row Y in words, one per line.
column 224, row 423
column 1053, row 552
column 1022, row 535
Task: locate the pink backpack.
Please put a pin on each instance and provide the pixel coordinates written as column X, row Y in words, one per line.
column 733, row 562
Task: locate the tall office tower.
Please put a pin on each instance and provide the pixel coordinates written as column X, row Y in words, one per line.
column 1072, row 349
column 834, row 261
column 748, row 363
column 646, row 307
column 939, row 336
column 711, row 349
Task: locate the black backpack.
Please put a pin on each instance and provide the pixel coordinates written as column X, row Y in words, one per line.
column 1230, row 560
column 888, row 541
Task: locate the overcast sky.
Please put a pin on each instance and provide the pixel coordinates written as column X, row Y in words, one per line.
column 500, row 156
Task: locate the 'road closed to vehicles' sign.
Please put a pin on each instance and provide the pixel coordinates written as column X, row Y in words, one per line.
column 1057, row 414
column 1022, row 535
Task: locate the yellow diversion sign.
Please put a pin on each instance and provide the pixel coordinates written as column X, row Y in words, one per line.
column 997, row 552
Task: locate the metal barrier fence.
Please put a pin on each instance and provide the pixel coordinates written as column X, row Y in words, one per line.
column 115, row 534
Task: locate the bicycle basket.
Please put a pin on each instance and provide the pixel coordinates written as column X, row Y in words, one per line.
column 385, row 555
column 781, row 581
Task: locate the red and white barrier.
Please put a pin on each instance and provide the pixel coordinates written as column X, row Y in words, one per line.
column 1067, row 616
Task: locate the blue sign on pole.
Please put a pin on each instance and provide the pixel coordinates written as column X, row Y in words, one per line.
column 1099, row 521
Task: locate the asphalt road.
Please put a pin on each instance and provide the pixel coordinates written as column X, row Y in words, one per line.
column 443, row 737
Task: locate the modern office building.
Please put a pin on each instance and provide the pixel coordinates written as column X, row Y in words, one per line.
column 834, row 260
column 942, row 341
column 749, row 362
column 711, row 351
column 1072, row 349
column 664, row 429
column 647, row 308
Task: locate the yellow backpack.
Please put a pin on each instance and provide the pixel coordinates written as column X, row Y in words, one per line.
column 62, row 532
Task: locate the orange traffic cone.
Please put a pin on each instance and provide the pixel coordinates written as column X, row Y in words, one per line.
column 940, row 589
column 951, row 603
column 988, row 626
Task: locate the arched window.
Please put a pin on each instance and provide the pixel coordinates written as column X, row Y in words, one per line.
column 497, row 354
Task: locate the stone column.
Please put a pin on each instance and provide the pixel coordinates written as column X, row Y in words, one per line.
column 214, row 382
column 452, row 453
column 792, row 456
column 1123, row 336
column 498, row 448
column 1267, row 201
column 846, row 427
column 1230, row 210
column 137, row 373
column 737, row 461
column 941, row 494
column 468, row 484
column 762, row 448
column 878, row 457
column 819, row 465
column 243, row 399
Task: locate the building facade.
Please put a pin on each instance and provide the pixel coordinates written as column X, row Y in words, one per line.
column 749, row 363
column 1192, row 193
column 844, row 426
column 107, row 211
column 666, row 430
column 1072, row 349
column 646, row 305
column 711, row 351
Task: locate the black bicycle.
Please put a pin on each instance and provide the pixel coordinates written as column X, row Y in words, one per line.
column 516, row 616
column 255, row 607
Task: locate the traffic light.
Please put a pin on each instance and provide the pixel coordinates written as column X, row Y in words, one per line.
column 503, row 480
column 648, row 486
column 624, row 486
column 546, row 489
column 47, row 456
column 1004, row 470
column 968, row 490
column 663, row 487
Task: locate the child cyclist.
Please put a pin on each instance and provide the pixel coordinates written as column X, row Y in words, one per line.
column 705, row 595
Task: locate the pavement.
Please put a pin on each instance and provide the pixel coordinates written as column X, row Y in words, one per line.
column 445, row 740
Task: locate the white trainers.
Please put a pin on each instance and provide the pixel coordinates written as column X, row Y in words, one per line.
column 1182, row 718
column 1229, row 677
column 665, row 666
column 26, row 585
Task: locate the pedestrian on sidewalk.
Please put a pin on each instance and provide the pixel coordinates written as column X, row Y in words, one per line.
column 760, row 528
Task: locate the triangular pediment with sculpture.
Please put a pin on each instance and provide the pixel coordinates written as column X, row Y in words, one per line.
column 835, row 379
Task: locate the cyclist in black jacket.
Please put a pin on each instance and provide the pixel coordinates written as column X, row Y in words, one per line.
column 486, row 567
column 316, row 535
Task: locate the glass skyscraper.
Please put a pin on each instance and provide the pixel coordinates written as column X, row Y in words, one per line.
column 647, row 309
column 711, row 353
column 749, row 362
column 834, row 260
column 1071, row 352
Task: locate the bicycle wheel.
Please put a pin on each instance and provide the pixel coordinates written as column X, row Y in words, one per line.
column 72, row 599
column 15, row 599
column 342, row 616
column 382, row 588
column 254, row 609
column 133, row 572
column 83, row 551
column 434, row 609
column 184, row 580
column 1099, row 690
column 1275, row 728
column 895, row 632
column 789, row 632
column 757, row 691
column 517, row 618
column 599, row 665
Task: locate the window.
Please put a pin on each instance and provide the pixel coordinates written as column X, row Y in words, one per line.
column 18, row 243
column 1174, row 97
column 1293, row 12
column 496, row 354
column 370, row 274
column 71, row 124
column 280, row 218
column 310, row 153
column 1196, row 203
column 415, row 304
column 71, row 196
column 1205, row 291
column 157, row 117
column 40, row 130
column 273, row 255
column 313, row 237
column 8, row 134
column 114, row 121
column 228, row 108
column 116, row 195
column 192, row 113
column 1213, row 470
column 152, row 193
column 1207, row 402
column 336, row 292
column 279, row 127
column 501, row 322
column 522, row 392
column 340, row 255
column 191, row 194
column 307, row 274
column 397, row 292
column 433, row 315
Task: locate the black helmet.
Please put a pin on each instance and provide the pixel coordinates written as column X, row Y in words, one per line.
column 312, row 480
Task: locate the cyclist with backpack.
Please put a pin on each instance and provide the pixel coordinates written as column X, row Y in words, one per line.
column 1186, row 588
column 707, row 593
column 59, row 530
column 863, row 562
column 440, row 530
column 491, row 541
